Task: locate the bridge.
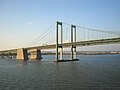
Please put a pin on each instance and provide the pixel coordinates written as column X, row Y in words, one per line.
column 72, row 36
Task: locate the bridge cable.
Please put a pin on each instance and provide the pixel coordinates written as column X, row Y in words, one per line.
column 40, row 35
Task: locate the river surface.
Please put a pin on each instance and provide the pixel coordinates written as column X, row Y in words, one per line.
column 91, row 72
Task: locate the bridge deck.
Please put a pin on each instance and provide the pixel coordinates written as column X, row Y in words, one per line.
column 81, row 43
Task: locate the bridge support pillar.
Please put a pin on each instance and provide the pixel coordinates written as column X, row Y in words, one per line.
column 10, row 55
column 35, row 54
column 22, row 54
column 75, row 54
column 61, row 54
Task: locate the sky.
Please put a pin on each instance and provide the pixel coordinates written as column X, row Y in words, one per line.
column 21, row 21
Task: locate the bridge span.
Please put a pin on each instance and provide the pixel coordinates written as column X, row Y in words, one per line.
column 65, row 45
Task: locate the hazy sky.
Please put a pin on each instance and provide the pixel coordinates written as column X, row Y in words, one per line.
column 23, row 20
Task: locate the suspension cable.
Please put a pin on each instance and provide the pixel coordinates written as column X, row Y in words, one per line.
column 40, row 35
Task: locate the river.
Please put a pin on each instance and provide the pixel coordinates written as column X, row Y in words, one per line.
column 91, row 72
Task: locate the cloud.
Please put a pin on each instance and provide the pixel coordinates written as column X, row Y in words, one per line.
column 29, row 23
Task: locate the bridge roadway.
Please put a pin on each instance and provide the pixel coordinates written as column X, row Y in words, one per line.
column 80, row 43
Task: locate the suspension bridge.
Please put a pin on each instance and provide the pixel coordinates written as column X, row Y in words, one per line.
column 62, row 35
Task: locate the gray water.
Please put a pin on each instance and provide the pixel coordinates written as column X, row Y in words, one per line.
column 91, row 72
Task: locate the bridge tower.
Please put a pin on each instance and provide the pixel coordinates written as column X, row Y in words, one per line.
column 61, row 41
column 73, row 40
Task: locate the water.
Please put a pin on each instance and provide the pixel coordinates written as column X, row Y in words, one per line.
column 92, row 72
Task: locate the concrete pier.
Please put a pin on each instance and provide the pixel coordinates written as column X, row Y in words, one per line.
column 22, row 54
column 35, row 54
